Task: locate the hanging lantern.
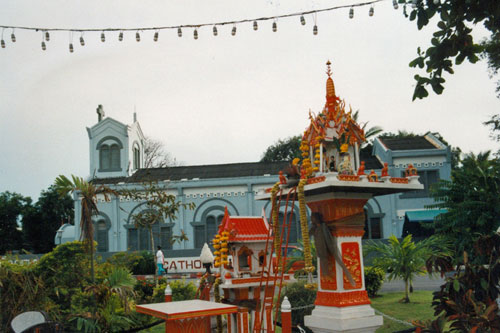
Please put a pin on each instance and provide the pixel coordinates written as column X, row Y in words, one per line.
column 215, row 30
column 395, row 4
column 351, row 13
column 275, row 26
column 179, row 32
column 137, row 36
column 2, row 43
column 47, row 36
column 71, row 47
column 255, row 26
column 155, row 37
column 233, row 32
column 103, row 37
column 302, row 20
column 195, row 33
column 120, row 36
column 370, row 13
column 13, row 37
column 44, row 47
column 82, row 41
column 315, row 30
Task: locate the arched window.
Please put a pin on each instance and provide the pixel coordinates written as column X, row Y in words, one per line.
column 101, row 236
column 109, row 154
column 245, row 259
column 139, row 239
column 205, row 232
column 115, row 157
column 137, row 157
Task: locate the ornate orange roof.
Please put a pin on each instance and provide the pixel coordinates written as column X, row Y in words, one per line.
column 244, row 228
column 333, row 116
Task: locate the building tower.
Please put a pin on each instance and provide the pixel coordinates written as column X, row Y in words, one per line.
column 115, row 149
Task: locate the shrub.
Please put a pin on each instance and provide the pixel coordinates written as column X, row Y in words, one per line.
column 20, row 290
column 144, row 290
column 139, row 263
column 374, row 278
column 298, row 295
column 181, row 290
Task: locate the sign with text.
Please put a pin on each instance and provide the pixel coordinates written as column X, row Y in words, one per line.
column 183, row 265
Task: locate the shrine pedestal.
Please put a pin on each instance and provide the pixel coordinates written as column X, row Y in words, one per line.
column 340, row 305
column 360, row 318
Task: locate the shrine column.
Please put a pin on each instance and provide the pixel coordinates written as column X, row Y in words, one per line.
column 340, row 305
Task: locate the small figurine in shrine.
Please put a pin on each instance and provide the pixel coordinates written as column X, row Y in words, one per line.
column 345, row 161
column 361, row 170
column 372, row 177
column 411, row 171
column 331, row 165
column 385, row 170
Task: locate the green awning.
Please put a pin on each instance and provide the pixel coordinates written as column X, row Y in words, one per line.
column 425, row 215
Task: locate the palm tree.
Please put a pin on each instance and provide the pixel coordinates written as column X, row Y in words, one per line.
column 407, row 259
column 88, row 194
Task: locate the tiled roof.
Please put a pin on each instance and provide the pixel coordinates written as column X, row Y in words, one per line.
column 411, row 143
column 244, row 228
column 210, row 171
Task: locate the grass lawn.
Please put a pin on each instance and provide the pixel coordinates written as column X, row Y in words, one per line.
column 419, row 309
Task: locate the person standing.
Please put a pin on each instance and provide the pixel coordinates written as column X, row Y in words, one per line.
column 159, row 261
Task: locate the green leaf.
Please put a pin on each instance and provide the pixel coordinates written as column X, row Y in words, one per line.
column 484, row 284
column 413, row 15
column 456, row 285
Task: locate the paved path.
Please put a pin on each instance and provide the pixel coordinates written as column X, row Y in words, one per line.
column 419, row 283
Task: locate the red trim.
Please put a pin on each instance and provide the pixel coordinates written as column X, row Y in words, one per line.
column 342, row 299
column 316, row 180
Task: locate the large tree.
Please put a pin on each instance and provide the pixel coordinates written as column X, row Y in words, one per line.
column 452, row 42
column 41, row 221
column 88, row 194
column 283, row 150
column 156, row 155
column 12, row 207
column 472, row 201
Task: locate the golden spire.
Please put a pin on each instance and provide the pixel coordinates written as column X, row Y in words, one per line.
column 330, row 87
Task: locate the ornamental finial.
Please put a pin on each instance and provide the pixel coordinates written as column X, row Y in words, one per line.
column 328, row 69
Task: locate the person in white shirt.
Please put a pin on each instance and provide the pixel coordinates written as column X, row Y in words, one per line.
column 159, row 261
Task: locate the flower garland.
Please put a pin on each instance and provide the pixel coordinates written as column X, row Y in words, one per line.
column 303, row 225
column 276, row 225
column 223, row 247
column 217, row 298
column 220, row 245
column 217, row 253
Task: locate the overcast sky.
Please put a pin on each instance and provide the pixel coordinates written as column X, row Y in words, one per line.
column 217, row 99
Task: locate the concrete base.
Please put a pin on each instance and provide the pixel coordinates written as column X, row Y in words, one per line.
column 361, row 318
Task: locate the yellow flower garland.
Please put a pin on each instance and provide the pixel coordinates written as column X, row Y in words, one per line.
column 303, row 225
column 276, row 224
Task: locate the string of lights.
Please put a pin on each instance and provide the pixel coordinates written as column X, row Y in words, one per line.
column 255, row 23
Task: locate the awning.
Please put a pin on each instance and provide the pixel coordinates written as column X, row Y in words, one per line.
column 425, row 215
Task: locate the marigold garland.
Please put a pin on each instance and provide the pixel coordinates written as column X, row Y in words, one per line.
column 217, row 298
column 216, row 244
column 303, row 225
column 276, row 225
